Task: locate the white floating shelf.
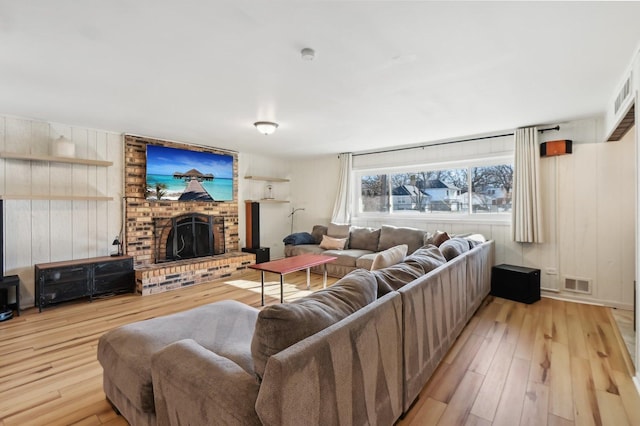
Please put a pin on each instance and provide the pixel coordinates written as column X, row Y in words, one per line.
column 40, row 157
column 55, row 197
column 267, row 201
column 267, row 179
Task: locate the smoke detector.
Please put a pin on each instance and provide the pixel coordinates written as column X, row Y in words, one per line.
column 307, row 54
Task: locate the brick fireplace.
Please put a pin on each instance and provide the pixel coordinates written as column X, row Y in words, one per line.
column 149, row 226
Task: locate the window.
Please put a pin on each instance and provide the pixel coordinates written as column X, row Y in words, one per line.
column 438, row 191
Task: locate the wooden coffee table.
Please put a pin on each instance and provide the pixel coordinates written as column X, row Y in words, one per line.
column 293, row 264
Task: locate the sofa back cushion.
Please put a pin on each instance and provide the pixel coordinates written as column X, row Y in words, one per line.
column 364, row 238
column 318, row 231
column 282, row 325
column 337, row 230
column 454, row 247
column 427, row 257
column 392, row 236
column 396, row 276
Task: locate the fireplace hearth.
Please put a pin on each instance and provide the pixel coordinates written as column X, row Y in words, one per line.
column 188, row 236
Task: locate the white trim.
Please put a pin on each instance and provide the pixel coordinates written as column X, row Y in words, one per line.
column 468, row 164
column 463, row 161
column 551, row 294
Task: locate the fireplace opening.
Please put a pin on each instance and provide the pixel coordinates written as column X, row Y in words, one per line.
column 189, row 236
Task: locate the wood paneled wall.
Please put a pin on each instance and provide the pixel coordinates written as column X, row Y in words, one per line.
column 39, row 231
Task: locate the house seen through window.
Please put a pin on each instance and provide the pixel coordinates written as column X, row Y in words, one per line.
column 452, row 191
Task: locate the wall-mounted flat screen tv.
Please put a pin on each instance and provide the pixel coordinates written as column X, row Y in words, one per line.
column 176, row 174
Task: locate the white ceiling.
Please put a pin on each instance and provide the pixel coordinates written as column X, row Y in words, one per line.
column 386, row 73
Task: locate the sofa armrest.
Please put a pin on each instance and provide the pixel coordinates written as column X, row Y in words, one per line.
column 433, row 314
column 350, row 370
column 479, row 262
column 193, row 385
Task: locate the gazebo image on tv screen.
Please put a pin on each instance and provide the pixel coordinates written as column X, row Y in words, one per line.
column 175, row 174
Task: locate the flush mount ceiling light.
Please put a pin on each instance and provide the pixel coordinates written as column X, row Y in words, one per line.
column 266, row 127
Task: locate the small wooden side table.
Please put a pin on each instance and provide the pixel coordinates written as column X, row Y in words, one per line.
column 12, row 281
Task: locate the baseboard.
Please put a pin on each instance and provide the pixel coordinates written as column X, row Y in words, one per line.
column 586, row 300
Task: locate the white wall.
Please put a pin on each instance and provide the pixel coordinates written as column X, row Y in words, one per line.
column 314, row 185
column 39, row 231
column 588, row 203
column 274, row 223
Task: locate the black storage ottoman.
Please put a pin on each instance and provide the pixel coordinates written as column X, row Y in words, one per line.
column 515, row 283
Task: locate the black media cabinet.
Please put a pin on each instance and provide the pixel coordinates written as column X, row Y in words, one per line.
column 74, row 279
column 515, row 283
column 262, row 253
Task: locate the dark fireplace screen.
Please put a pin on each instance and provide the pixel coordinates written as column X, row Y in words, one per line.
column 188, row 236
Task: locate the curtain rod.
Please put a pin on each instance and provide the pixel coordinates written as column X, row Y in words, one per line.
column 449, row 142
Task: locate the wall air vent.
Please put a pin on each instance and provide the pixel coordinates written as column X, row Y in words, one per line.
column 625, row 125
column 623, row 94
column 577, row 285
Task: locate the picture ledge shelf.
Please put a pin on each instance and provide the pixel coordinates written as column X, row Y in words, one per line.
column 267, row 178
column 55, row 197
column 266, row 200
column 41, row 157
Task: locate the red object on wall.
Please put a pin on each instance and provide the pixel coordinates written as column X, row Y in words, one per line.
column 559, row 147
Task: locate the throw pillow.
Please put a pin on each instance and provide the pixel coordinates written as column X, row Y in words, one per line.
column 436, row 239
column 475, row 240
column 364, row 238
column 282, row 325
column 389, row 257
column 329, row 243
column 299, row 238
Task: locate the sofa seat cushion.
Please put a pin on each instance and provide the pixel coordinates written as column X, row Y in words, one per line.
column 454, row 247
column 366, row 261
column 225, row 328
column 282, row 325
column 302, row 249
column 392, row 236
column 427, row 257
column 396, row 276
column 346, row 257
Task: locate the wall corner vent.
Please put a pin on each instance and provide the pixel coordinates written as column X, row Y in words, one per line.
column 624, row 93
column 577, row 285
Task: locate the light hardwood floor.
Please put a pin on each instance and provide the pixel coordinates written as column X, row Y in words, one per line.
column 552, row 362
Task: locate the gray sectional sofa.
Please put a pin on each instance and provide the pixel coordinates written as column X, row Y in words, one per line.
column 362, row 245
column 358, row 352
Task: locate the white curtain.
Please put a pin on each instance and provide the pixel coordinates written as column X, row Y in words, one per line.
column 526, row 224
column 342, row 206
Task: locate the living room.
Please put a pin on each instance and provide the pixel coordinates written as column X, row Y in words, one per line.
column 588, row 196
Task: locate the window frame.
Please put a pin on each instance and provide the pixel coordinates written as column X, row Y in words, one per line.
column 469, row 216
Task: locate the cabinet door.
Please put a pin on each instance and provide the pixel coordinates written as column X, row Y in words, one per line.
column 114, row 277
column 66, row 283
